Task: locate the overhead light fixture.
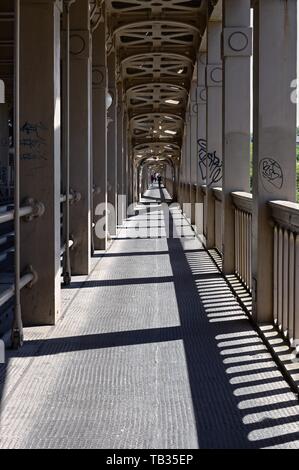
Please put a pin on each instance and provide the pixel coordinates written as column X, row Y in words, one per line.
column 109, row 100
column 168, row 131
column 180, row 71
column 172, row 101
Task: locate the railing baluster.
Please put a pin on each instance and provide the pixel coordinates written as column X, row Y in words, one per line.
column 286, row 268
column 275, row 276
column 296, row 299
column 236, row 240
column 285, row 300
column 280, row 277
column 250, row 253
column 291, row 297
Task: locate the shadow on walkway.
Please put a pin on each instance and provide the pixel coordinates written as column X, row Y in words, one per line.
column 239, row 398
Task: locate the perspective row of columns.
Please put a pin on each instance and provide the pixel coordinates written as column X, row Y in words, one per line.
column 218, row 154
column 98, row 155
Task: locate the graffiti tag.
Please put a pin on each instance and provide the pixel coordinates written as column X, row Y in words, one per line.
column 209, row 164
column 33, row 143
column 271, row 174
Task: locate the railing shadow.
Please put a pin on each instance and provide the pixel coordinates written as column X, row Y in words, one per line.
column 239, row 397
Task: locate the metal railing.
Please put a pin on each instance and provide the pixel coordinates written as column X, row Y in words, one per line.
column 203, row 189
column 286, row 268
column 10, row 214
column 243, row 237
column 9, row 292
column 217, row 193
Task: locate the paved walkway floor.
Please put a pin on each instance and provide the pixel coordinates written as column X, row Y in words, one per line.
column 152, row 351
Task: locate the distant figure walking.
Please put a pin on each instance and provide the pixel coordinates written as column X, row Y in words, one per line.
column 159, row 180
column 152, row 179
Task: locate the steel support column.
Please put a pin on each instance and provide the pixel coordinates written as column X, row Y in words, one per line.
column 193, row 148
column 201, row 137
column 274, row 161
column 99, row 135
column 80, row 134
column 40, row 142
column 214, row 123
column 237, row 49
column 112, row 147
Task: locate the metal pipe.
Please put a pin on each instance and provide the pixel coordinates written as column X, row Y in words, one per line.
column 66, row 258
column 5, row 238
column 291, row 287
column 285, row 285
column 5, row 208
column 63, row 198
column 10, row 292
column 17, row 212
column 63, row 248
column 17, row 329
column 5, row 254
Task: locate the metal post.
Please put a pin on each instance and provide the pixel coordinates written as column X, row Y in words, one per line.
column 66, row 116
column 17, row 330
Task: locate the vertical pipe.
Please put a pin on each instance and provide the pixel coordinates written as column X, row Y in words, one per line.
column 66, row 116
column 280, row 277
column 285, row 323
column 248, row 251
column 242, row 245
column 246, row 247
column 296, row 293
column 237, row 245
column 17, row 330
column 291, row 286
column 236, row 241
column 275, row 275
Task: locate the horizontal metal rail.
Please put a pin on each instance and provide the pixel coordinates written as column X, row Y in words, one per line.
column 5, row 208
column 73, row 197
column 5, row 238
column 63, row 198
column 9, row 215
column 5, row 254
column 10, row 291
column 63, row 248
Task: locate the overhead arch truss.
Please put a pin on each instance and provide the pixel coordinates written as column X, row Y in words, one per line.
column 156, row 126
column 152, row 97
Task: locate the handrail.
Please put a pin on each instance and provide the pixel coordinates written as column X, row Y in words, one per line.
column 74, row 197
column 63, row 248
column 5, row 254
column 10, row 215
column 4, row 238
column 243, row 201
column 10, row 292
column 218, row 194
column 286, row 214
column 203, row 188
column 63, row 198
column 5, row 208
